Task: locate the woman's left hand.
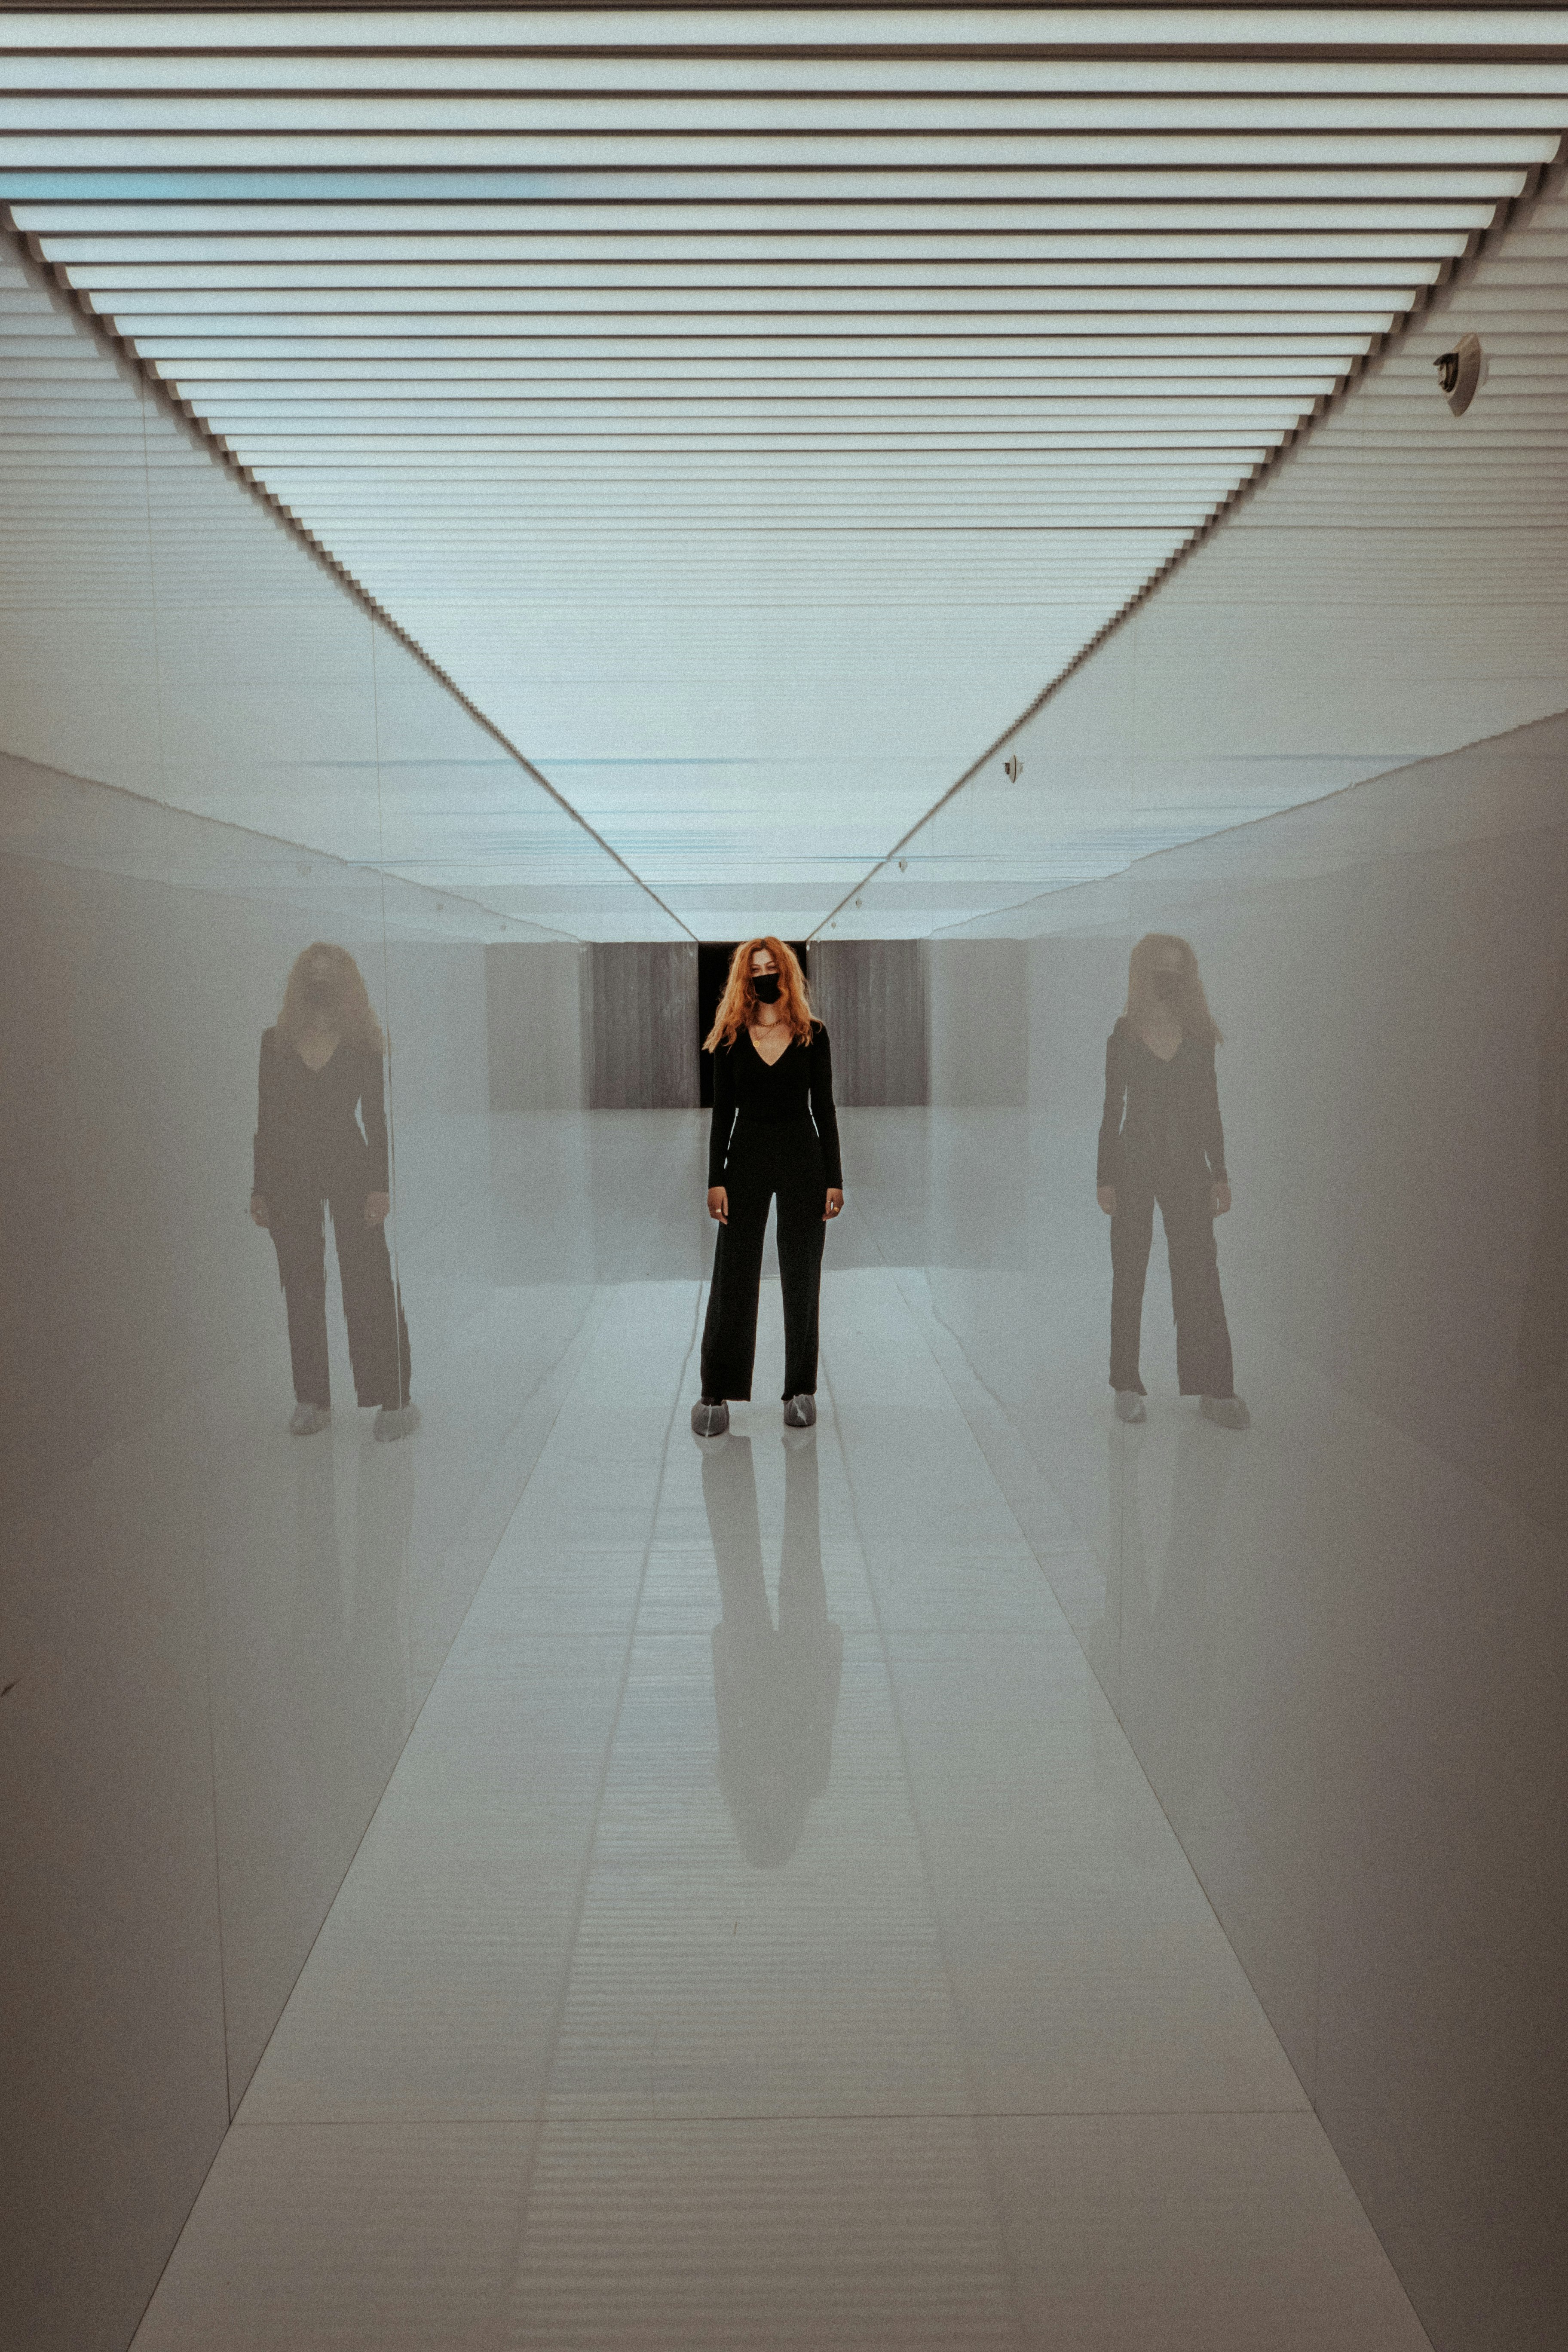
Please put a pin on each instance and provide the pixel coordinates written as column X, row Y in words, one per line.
column 377, row 1208
column 1219, row 1197
column 835, row 1202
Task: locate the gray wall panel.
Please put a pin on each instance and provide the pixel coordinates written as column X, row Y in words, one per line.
column 640, row 1025
column 872, row 995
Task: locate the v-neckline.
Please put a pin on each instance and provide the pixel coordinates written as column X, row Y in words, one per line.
column 762, row 1057
column 1165, row 1060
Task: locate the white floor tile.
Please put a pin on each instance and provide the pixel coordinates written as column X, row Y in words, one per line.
column 1183, row 2234
column 433, row 1990
column 360, row 2238
column 781, row 2234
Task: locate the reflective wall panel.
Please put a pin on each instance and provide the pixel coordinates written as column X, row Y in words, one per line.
column 215, row 1634
column 1337, row 1638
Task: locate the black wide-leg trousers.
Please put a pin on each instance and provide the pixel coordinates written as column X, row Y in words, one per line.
column 1203, row 1336
column 378, row 1334
column 765, row 1162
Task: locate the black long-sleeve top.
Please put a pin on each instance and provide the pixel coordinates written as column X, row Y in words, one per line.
column 307, row 1134
column 796, row 1089
column 1160, row 1115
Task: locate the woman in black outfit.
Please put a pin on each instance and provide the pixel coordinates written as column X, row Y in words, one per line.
column 774, row 1131
column 1160, row 1140
column 320, row 1065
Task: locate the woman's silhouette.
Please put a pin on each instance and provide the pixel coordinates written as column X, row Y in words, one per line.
column 320, row 1066
column 1160, row 1140
column 775, row 1687
column 774, row 1131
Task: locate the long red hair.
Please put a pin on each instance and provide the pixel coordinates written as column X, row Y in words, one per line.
column 351, row 1006
column 1192, row 1005
column 738, row 1006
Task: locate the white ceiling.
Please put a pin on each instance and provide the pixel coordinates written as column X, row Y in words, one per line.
column 753, row 410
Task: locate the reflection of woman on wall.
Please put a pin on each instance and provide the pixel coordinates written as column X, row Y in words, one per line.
column 774, row 1131
column 320, row 1065
column 1160, row 1140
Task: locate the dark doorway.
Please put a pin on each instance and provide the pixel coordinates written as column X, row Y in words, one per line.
column 713, row 970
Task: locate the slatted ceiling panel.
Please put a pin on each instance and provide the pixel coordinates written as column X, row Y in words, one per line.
column 1398, row 587
column 752, row 409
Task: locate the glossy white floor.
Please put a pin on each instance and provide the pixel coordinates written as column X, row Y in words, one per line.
column 829, row 1979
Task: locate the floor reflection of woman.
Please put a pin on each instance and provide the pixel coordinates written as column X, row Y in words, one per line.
column 1161, row 1140
column 774, row 1131
column 775, row 1687
column 321, row 1066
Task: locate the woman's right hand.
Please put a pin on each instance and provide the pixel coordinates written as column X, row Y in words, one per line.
column 719, row 1204
column 1106, row 1196
column 258, row 1209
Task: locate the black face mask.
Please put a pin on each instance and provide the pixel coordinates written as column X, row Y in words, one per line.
column 1168, row 986
column 765, row 987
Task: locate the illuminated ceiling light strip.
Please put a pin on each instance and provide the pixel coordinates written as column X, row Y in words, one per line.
column 928, row 437
column 668, row 155
column 598, row 118
column 806, row 250
column 574, row 497
column 1369, row 310
column 1267, row 386
column 637, row 522
column 451, row 375
column 1100, row 547
column 498, row 290
column 519, row 457
column 525, row 402
column 820, row 30
column 1248, row 419
column 271, row 225
column 778, row 195
column 562, row 351
column 652, row 77
column 1071, row 541
column 625, row 287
